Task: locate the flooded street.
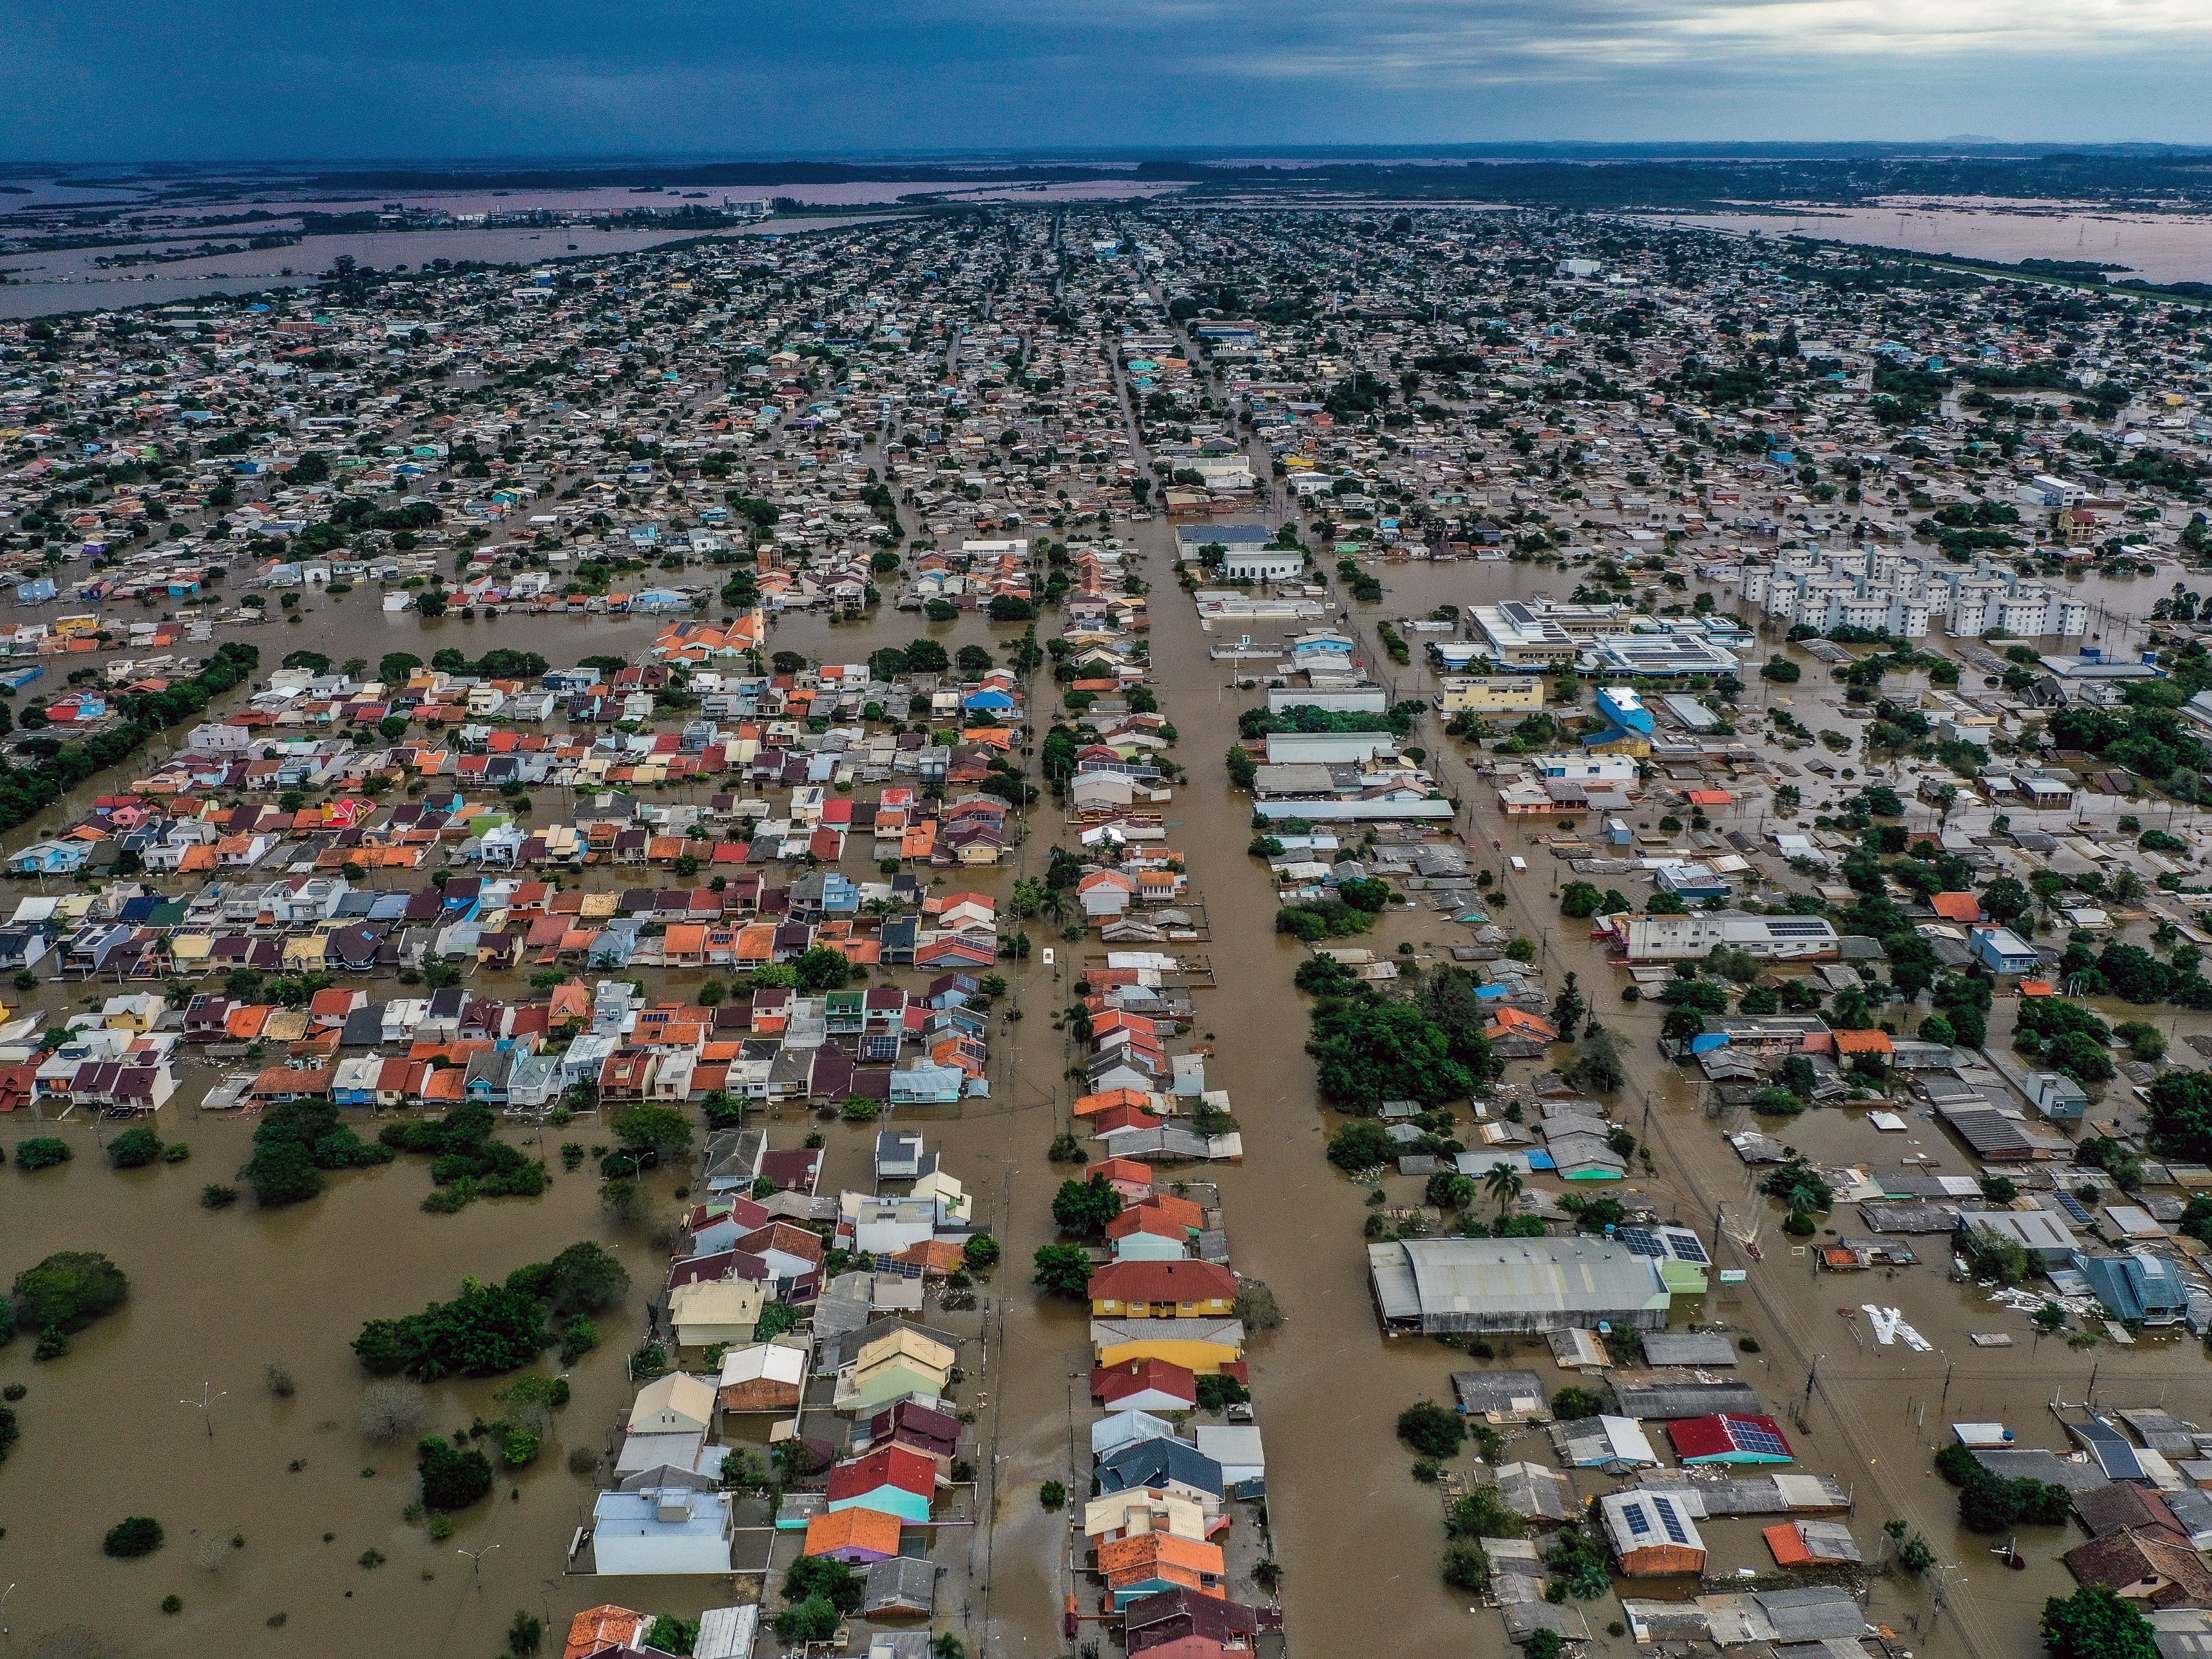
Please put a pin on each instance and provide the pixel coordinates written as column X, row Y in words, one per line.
column 218, row 1296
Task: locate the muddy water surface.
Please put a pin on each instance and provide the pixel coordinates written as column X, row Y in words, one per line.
column 217, row 1298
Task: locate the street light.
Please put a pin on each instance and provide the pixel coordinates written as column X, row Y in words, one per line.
column 206, row 1403
column 475, row 1558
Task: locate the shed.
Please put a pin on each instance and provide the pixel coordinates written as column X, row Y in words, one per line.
column 766, row 1377
column 1812, row 1543
column 1502, row 1396
column 727, row 1633
column 1538, row 1492
column 1603, row 1443
column 1667, row 1400
column 1651, row 1533
column 1700, row 1348
column 902, row 1587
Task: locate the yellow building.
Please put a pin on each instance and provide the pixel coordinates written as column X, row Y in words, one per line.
column 1201, row 1346
column 1634, row 745
column 1491, row 693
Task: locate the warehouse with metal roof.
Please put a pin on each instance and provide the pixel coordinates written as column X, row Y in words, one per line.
column 1522, row 1287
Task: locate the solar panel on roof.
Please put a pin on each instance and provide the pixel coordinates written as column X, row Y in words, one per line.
column 1633, row 1514
column 1669, row 1520
column 1641, row 1240
column 1750, row 1437
column 2074, row 1208
column 1687, row 1248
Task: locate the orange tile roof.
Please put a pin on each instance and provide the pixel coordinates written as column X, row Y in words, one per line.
column 601, row 1627
column 1956, row 907
column 854, row 1528
column 1862, row 1042
column 1514, row 1019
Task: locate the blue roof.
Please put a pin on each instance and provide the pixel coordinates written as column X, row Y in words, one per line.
column 1155, row 1463
column 2138, row 1285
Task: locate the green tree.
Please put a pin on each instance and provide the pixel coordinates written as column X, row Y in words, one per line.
column 1599, row 1066
column 451, row 1478
column 1447, row 1189
column 2181, row 1116
column 586, row 1276
column 2093, row 1623
column 832, row 1580
column 1085, row 1206
column 133, row 1148
column 1062, row 1270
column 812, row 1619
column 1432, row 1430
column 1572, row 1405
column 1503, row 1183
column 821, row 969
column 1364, row 1052
column 486, row 1330
column 128, row 1540
column 42, row 1152
column 1579, row 899
column 658, row 1129
column 1568, row 1008
column 1362, row 1144
column 2007, row 900
column 67, row 1290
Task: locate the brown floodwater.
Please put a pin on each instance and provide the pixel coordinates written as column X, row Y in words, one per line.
column 219, row 1296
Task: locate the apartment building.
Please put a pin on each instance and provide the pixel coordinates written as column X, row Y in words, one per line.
column 1876, row 589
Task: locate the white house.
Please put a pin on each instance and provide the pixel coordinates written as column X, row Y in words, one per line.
column 674, row 1404
column 673, row 1530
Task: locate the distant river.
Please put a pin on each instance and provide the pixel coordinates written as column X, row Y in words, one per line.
column 2159, row 247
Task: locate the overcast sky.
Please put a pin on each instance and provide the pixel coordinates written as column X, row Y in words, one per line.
column 188, row 79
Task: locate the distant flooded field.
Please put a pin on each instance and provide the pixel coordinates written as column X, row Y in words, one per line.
column 2158, row 247
column 42, row 284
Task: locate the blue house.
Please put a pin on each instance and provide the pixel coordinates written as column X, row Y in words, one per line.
column 1624, row 713
column 2137, row 1286
column 51, row 858
column 1693, row 884
column 2057, row 1096
column 2003, row 951
column 926, row 1085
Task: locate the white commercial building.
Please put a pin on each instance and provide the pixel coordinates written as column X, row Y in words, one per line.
column 1682, row 938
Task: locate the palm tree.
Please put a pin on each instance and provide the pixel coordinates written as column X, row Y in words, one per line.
column 1503, row 1184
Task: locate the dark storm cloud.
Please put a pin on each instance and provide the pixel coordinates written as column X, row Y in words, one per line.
column 135, row 79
